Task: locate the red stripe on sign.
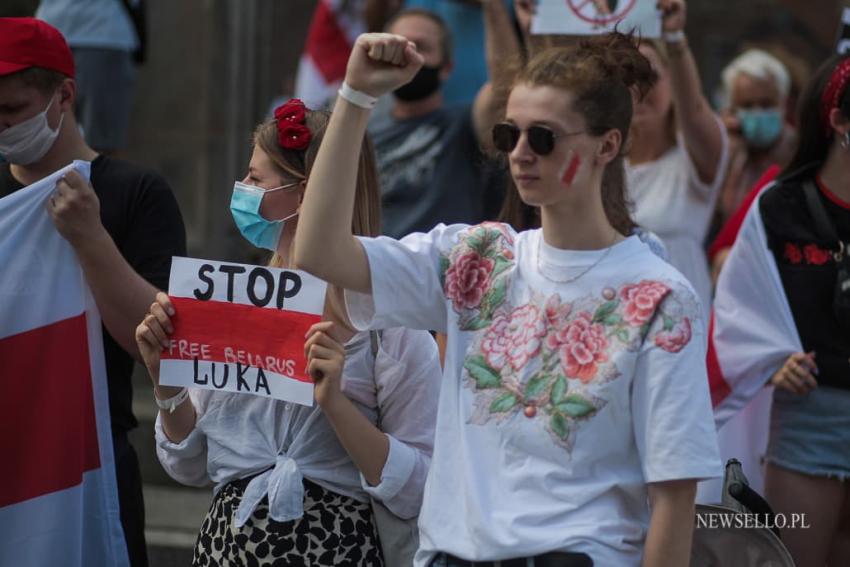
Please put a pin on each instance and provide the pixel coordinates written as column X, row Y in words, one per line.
column 219, row 331
column 48, row 431
column 327, row 45
column 716, row 383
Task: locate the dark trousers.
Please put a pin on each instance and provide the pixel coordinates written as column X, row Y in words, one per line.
column 130, row 498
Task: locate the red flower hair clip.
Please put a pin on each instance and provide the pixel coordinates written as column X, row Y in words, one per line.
column 292, row 133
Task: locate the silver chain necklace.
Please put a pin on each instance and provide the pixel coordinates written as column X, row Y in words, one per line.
column 574, row 278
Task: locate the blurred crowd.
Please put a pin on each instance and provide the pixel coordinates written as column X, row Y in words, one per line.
column 708, row 178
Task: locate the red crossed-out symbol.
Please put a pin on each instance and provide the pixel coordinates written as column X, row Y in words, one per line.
column 601, row 12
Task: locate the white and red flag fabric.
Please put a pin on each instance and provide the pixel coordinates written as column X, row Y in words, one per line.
column 333, row 30
column 241, row 328
column 752, row 334
column 58, row 494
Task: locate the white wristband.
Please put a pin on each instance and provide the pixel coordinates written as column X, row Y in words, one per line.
column 357, row 98
column 171, row 403
column 674, row 36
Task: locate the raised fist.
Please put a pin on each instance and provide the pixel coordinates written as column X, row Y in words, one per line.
column 381, row 62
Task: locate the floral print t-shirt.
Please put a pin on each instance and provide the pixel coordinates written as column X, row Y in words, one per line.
column 560, row 401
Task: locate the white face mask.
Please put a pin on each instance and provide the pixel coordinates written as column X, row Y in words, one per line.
column 30, row 140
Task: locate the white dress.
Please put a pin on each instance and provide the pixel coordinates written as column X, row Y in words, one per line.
column 237, row 435
column 560, row 401
column 670, row 200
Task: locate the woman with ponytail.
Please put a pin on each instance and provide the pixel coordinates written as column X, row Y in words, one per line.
column 574, row 417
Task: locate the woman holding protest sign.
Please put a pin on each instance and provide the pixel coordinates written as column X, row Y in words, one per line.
column 293, row 483
column 564, row 343
column 678, row 153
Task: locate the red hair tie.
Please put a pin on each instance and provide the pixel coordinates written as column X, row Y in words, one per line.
column 292, row 134
column 833, row 91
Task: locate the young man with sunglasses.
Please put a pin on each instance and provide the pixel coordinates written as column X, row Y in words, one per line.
column 429, row 153
column 124, row 226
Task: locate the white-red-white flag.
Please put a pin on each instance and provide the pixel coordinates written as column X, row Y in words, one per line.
column 333, row 30
column 752, row 334
column 58, row 495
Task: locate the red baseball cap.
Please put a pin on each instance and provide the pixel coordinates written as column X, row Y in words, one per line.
column 29, row 42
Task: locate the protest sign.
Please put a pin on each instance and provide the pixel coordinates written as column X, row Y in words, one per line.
column 590, row 17
column 240, row 328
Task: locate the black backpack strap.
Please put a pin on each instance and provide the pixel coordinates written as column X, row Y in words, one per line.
column 375, row 340
column 823, row 223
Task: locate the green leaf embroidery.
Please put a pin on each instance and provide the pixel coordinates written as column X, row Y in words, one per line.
column 503, row 403
column 576, row 406
column 496, row 295
column 559, row 426
column 623, row 335
column 559, row 389
column 613, row 319
column 475, row 243
column 644, row 329
column 668, row 322
column 484, row 376
column 445, row 264
column 501, row 265
column 536, row 386
column 605, row 310
column 474, row 324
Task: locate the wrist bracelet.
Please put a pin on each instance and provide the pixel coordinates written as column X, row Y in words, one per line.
column 171, row 403
column 357, row 98
column 677, row 36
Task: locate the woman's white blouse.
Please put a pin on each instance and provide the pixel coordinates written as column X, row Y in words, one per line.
column 239, row 435
column 669, row 199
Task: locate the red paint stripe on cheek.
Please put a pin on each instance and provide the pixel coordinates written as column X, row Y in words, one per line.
column 571, row 171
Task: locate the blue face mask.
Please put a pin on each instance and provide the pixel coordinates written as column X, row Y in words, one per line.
column 760, row 127
column 245, row 208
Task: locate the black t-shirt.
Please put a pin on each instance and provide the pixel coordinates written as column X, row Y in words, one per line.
column 808, row 272
column 432, row 171
column 140, row 213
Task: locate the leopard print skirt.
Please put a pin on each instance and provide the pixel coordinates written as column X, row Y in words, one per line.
column 334, row 530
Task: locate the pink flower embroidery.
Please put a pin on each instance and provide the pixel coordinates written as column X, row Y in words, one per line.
column 582, row 347
column 676, row 338
column 641, row 300
column 557, row 312
column 514, row 338
column 467, row 280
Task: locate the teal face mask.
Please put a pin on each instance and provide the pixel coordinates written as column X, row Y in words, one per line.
column 245, row 208
column 760, row 127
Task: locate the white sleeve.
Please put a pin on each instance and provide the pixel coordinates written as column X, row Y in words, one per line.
column 185, row 462
column 407, row 375
column 671, row 406
column 407, row 289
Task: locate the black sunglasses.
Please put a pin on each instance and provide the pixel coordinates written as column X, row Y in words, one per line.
column 540, row 138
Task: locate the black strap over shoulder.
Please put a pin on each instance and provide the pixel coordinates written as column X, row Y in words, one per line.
column 824, row 226
column 375, row 340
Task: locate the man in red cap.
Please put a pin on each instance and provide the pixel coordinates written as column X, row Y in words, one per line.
column 125, row 226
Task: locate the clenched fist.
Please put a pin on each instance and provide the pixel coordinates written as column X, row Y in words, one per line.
column 382, row 62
